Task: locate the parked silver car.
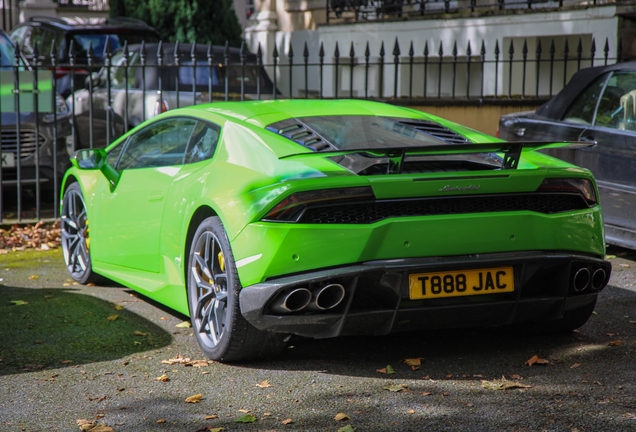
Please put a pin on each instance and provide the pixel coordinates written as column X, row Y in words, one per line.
column 141, row 91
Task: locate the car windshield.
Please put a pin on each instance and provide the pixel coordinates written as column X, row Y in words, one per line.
column 6, row 51
column 353, row 131
column 98, row 41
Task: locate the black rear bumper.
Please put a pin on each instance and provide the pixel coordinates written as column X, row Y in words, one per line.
column 377, row 296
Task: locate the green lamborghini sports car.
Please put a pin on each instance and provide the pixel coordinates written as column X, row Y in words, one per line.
column 326, row 218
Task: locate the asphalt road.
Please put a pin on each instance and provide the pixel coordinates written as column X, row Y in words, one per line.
column 62, row 359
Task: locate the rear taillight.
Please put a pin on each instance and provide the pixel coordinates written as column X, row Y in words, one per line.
column 292, row 207
column 160, row 107
column 581, row 186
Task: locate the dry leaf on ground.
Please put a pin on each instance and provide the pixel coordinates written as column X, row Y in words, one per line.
column 347, row 428
column 33, row 277
column 194, row 399
column 138, row 333
column 264, row 384
column 341, row 417
column 615, row 343
column 415, row 363
column 247, row 418
column 163, row 378
column 112, row 317
column 535, row 359
column 387, row 370
column 516, row 376
column 39, row 236
column 575, row 365
column 503, row 384
column 19, row 302
column 185, row 324
column 119, row 307
column 211, row 417
column 287, row 421
column 161, row 421
column 396, row 388
column 92, row 426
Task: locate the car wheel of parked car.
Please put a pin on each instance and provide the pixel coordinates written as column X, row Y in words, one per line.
column 75, row 239
column 213, row 295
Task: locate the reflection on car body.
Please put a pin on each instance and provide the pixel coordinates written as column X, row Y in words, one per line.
column 598, row 105
column 327, row 218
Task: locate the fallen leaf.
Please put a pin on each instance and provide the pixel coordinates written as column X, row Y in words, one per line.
column 341, row 417
column 395, row 388
column 33, row 277
column 575, row 365
column 219, row 429
column 90, row 284
column 48, row 296
column 516, row 376
column 413, row 361
column 112, row 317
column 247, row 418
column 287, row 421
column 264, row 384
column 535, row 359
column 185, row 324
column 163, row 319
column 411, row 411
column 19, row 302
column 161, row 421
column 427, row 394
column 66, row 361
column 211, row 417
column 163, row 378
column 347, row 428
column 85, row 424
column 138, row 333
column 244, row 410
column 387, row 370
column 502, row 384
column 449, row 376
column 610, row 256
column 615, row 343
column 194, row 399
column 119, row 307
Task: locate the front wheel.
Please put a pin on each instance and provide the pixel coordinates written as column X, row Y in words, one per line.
column 75, row 239
column 213, row 295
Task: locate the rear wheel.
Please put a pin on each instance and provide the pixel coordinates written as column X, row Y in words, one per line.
column 213, row 295
column 75, row 239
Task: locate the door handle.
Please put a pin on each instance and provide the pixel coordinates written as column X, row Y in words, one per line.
column 155, row 196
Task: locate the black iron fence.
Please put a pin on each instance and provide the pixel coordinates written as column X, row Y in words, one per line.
column 50, row 108
column 371, row 10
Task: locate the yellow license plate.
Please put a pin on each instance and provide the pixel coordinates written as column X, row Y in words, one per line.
column 460, row 283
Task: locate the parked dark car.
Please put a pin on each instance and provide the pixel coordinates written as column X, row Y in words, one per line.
column 44, row 30
column 27, row 142
column 143, row 84
column 598, row 105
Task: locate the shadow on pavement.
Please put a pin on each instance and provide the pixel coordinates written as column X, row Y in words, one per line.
column 53, row 327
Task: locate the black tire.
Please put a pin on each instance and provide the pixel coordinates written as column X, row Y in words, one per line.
column 75, row 239
column 213, row 288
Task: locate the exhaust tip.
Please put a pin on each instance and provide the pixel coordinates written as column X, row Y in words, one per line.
column 598, row 278
column 293, row 301
column 581, row 279
column 327, row 297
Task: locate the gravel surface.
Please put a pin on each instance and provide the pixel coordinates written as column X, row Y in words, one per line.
column 62, row 359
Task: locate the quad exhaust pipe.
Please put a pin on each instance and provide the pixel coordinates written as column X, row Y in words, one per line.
column 581, row 279
column 299, row 299
column 598, row 278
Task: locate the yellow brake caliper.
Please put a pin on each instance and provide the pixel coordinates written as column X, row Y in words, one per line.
column 88, row 239
column 221, row 261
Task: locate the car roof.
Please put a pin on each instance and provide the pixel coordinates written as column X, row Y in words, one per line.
column 555, row 108
column 99, row 24
column 265, row 112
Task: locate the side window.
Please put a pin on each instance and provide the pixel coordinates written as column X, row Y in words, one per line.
column 113, row 154
column 26, row 42
column 616, row 107
column 39, row 36
column 202, row 142
column 160, row 144
column 583, row 108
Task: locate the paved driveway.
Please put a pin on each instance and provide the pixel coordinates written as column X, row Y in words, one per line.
column 63, row 359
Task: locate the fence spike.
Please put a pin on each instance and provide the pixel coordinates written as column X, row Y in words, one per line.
column 160, row 50
column 579, row 48
column 552, row 48
column 566, row 48
column 226, row 52
column 426, row 49
column 352, row 52
column 71, row 51
column 497, row 52
column 193, row 51
column 411, row 52
column 396, row 47
column 440, row 52
column 210, row 53
column 243, row 50
column 336, row 52
column 524, row 50
column 455, row 51
column 306, row 51
column 382, row 49
column 275, row 53
column 483, row 50
column 52, row 53
column 142, row 50
column 89, row 52
column 259, row 51
column 539, row 48
column 511, row 50
column 36, row 51
column 468, row 50
column 125, row 49
column 290, row 52
column 607, row 48
column 176, row 53
column 593, row 47
column 107, row 48
column 321, row 52
column 367, row 52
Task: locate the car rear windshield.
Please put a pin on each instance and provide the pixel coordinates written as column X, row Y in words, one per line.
column 356, row 131
column 98, row 41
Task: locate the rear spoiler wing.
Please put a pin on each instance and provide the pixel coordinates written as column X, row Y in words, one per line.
column 511, row 150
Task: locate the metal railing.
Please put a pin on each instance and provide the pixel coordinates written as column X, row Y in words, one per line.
column 107, row 99
column 339, row 11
